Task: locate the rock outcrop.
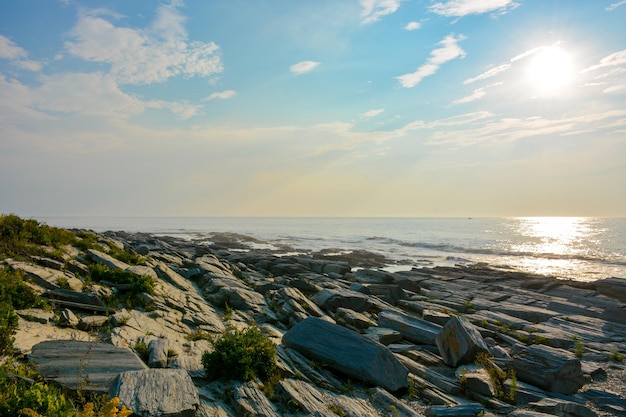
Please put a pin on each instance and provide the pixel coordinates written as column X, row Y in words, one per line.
column 347, row 352
column 157, row 393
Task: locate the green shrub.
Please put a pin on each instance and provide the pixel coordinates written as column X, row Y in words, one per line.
column 17, row 394
column 8, row 326
column 616, row 356
column 128, row 257
column 241, row 355
column 14, row 294
column 20, row 237
column 137, row 284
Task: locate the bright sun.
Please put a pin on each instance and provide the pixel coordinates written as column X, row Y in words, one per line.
column 550, row 70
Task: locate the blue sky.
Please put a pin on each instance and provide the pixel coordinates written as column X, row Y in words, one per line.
column 313, row 108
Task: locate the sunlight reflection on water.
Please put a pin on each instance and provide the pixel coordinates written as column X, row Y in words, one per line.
column 560, row 242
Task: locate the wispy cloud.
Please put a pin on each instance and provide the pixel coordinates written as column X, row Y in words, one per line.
column 460, row 8
column 488, row 74
column 615, row 89
column 413, row 26
column 615, row 59
column 182, row 110
column 303, row 67
column 144, row 56
column 16, row 54
column 615, row 5
column 222, row 95
column 372, row 113
column 373, row 10
column 449, row 51
column 9, row 50
column 476, row 95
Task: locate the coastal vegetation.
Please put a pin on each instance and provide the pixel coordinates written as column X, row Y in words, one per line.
column 243, row 355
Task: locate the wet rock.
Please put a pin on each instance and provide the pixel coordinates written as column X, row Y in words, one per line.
column 348, row 352
column 459, row 342
column 549, row 368
column 157, row 392
column 373, row 276
column 412, row 328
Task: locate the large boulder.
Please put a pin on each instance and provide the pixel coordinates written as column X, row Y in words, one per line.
column 459, row 342
column 88, row 366
column 549, row 368
column 348, row 352
column 412, row 328
column 157, row 393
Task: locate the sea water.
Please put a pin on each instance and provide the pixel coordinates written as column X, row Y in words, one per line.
column 580, row 248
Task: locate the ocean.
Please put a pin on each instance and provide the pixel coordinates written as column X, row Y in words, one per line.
column 579, row 248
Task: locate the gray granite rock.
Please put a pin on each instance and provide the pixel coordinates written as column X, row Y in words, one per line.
column 89, row 366
column 459, row 342
column 157, row 392
column 412, row 328
column 348, row 352
column 549, row 368
column 157, row 353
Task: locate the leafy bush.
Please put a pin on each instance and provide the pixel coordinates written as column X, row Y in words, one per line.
column 17, row 394
column 242, row 355
column 137, row 284
column 20, row 237
column 14, row 294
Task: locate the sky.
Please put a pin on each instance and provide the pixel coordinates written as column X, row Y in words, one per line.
column 313, row 108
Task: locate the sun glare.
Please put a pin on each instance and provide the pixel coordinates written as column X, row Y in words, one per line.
column 550, row 70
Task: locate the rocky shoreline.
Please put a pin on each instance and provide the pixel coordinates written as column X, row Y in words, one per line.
column 352, row 339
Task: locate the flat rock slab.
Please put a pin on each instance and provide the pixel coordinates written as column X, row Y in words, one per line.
column 157, row 392
column 412, row 328
column 548, row 368
column 348, row 352
column 82, row 365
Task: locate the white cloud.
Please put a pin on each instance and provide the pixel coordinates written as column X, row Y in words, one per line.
column 303, row 67
column 372, row 113
column 488, row 74
column 222, row 95
column 182, row 110
column 527, row 53
column 9, row 50
column 439, row 56
column 613, row 60
column 476, row 95
column 413, row 26
column 615, row 89
column 459, row 8
column 373, row 10
column 615, row 5
column 29, row 65
column 90, row 94
column 144, row 56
